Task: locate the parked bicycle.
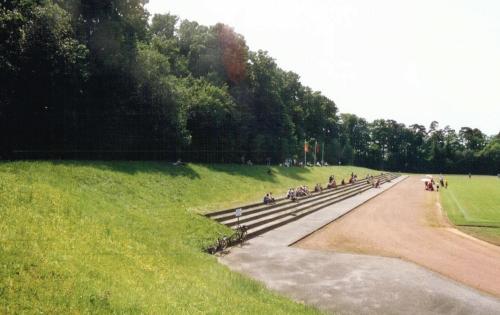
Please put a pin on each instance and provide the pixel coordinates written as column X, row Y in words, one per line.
column 239, row 235
column 219, row 246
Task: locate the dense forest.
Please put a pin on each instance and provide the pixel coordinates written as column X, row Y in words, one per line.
column 102, row 79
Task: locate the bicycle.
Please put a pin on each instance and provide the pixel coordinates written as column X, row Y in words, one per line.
column 220, row 245
column 239, row 235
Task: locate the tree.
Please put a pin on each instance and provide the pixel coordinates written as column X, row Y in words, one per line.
column 42, row 71
column 95, row 78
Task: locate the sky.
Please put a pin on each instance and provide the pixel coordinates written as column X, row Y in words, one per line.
column 411, row 61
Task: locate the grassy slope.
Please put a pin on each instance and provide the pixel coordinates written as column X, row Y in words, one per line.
column 124, row 237
column 474, row 202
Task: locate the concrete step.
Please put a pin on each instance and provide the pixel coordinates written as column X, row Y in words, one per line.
column 224, row 215
column 232, row 221
column 268, row 224
column 305, row 208
column 258, row 230
column 260, row 218
column 246, row 217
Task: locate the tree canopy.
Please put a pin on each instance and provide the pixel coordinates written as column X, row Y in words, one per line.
column 102, row 79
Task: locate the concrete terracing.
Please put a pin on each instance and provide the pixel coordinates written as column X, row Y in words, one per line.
column 351, row 283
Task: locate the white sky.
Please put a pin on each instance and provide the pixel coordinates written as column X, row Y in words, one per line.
column 412, row 61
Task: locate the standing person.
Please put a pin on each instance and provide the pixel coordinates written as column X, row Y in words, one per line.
column 470, row 175
column 446, row 183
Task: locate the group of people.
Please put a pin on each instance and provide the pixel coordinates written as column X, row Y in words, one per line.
column 294, row 193
column 353, row 178
column 331, row 182
column 371, row 180
column 302, row 191
column 430, row 184
column 374, row 183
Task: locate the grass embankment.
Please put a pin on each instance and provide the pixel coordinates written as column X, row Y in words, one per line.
column 125, row 237
column 474, row 205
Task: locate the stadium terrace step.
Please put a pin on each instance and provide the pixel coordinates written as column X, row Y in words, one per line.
column 260, row 229
column 261, row 218
column 284, row 203
column 305, row 208
column 257, row 229
column 317, row 204
column 293, row 205
column 255, row 207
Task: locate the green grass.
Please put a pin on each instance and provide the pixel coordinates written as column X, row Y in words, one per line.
column 474, row 205
column 126, row 237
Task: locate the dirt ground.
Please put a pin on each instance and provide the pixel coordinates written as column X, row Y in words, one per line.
column 407, row 222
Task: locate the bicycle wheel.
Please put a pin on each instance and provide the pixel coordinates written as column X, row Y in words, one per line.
column 243, row 235
column 235, row 238
column 211, row 250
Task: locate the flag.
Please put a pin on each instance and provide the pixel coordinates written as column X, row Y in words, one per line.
column 317, row 147
column 306, row 147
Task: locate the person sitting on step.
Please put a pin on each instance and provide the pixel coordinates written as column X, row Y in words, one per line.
column 306, row 190
column 299, row 192
column 271, row 198
column 267, row 199
column 318, row 188
column 292, row 195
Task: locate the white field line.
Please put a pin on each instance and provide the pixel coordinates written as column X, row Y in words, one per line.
column 462, row 210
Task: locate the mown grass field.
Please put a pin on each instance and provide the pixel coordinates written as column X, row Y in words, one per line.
column 474, row 205
column 126, row 237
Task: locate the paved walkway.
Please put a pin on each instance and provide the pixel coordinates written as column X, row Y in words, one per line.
column 349, row 283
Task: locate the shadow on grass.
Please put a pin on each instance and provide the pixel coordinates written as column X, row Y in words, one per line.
column 134, row 167
column 259, row 172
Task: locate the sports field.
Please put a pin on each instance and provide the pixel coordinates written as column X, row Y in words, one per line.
column 473, row 205
column 127, row 237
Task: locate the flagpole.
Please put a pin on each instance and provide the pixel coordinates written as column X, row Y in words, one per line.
column 323, row 154
column 305, row 153
column 315, row 152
